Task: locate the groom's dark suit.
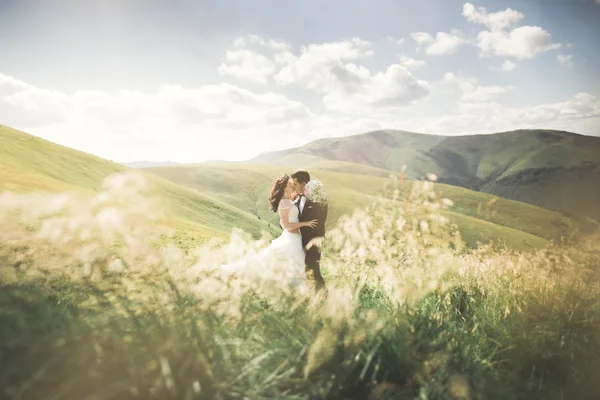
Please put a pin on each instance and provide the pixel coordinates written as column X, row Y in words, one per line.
column 313, row 255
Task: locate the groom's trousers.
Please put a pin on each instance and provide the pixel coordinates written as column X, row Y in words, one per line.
column 313, row 267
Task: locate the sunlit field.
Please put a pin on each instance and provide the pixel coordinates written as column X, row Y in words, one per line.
column 98, row 302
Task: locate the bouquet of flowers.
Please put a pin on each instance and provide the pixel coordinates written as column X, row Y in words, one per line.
column 315, row 192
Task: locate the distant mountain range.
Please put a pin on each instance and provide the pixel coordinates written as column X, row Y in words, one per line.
column 552, row 169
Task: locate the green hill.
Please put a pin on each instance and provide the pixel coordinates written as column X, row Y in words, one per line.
column 552, row 169
column 479, row 216
column 210, row 199
column 28, row 163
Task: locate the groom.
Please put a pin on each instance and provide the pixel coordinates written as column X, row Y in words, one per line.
column 309, row 211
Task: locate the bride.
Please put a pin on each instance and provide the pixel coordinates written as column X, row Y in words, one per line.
column 285, row 256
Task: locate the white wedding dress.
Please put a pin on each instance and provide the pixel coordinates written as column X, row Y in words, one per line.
column 281, row 261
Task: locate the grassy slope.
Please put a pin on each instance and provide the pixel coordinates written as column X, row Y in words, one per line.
column 480, row 217
column 574, row 190
column 555, row 170
column 540, row 167
column 504, row 154
column 28, row 163
column 525, row 217
column 229, row 182
column 520, row 215
column 34, row 159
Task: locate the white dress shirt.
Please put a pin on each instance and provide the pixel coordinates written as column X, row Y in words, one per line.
column 302, row 203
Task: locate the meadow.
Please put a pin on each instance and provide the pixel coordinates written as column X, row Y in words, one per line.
column 552, row 169
column 98, row 301
column 481, row 218
column 208, row 200
column 29, row 164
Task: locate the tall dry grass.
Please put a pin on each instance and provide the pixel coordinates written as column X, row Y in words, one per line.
column 96, row 304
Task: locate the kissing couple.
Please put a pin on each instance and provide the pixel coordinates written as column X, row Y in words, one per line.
column 296, row 254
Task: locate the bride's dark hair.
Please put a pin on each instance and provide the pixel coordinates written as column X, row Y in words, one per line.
column 277, row 191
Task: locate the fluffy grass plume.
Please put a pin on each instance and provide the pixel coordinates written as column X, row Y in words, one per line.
column 95, row 304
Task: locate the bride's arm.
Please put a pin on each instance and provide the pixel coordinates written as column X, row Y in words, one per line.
column 284, row 220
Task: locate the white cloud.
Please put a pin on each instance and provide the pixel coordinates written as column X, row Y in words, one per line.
column 40, row 106
column 347, row 86
column 495, row 21
column 21, row 102
column 392, row 88
column 566, row 60
column 247, row 65
column 471, row 91
column 179, row 123
column 411, row 63
column 580, row 106
column 321, row 65
column 501, row 40
column 442, row 44
column 170, row 123
column 522, row 42
column 228, row 104
column 10, row 85
column 247, row 61
column 508, row 65
column 246, row 41
column 580, row 113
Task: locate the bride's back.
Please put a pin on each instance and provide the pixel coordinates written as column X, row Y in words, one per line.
column 293, row 213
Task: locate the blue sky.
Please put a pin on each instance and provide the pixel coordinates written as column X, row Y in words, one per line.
column 195, row 80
